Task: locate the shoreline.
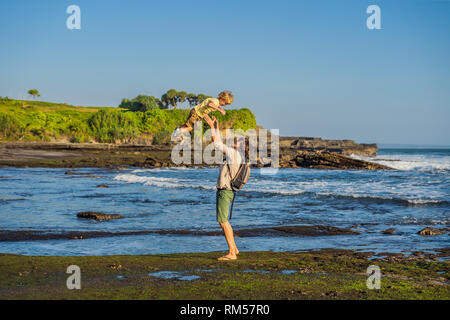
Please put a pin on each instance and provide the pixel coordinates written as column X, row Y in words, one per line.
column 82, row 155
column 286, row 231
column 319, row 274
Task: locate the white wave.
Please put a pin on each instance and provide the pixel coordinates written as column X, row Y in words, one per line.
column 274, row 187
column 376, row 197
column 410, row 162
column 421, row 191
column 160, row 181
column 161, row 169
column 423, row 201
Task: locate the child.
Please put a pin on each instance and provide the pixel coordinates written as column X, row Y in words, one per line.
column 202, row 110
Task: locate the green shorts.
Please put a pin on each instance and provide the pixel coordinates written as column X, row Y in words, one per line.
column 223, row 200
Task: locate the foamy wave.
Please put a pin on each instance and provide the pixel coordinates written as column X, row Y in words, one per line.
column 409, row 162
column 160, row 182
column 161, row 169
column 404, row 201
column 275, row 191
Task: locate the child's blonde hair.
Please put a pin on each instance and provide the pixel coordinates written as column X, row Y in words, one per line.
column 226, row 96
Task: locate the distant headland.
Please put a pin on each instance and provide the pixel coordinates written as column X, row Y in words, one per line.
column 45, row 134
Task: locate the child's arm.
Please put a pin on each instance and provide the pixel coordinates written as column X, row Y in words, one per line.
column 218, row 108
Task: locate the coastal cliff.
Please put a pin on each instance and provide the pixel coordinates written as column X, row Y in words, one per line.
column 343, row 147
column 45, row 134
column 73, row 155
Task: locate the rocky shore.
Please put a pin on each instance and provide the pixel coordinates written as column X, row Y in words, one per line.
column 324, row 274
column 343, row 147
column 293, row 154
column 286, row 231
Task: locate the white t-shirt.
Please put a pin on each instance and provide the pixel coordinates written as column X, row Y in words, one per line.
column 233, row 162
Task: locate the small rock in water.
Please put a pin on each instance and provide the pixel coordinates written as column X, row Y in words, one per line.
column 430, row 232
column 388, row 231
column 102, row 186
column 98, row 216
column 77, row 173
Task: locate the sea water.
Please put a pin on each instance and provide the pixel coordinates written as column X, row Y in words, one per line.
column 413, row 196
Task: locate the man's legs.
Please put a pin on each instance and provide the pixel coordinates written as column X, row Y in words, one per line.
column 223, row 200
column 232, row 249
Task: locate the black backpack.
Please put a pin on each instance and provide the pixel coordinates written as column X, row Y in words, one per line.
column 239, row 181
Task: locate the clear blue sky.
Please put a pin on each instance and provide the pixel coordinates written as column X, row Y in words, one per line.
column 309, row 68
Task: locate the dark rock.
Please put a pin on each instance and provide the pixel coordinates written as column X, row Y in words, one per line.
column 150, row 162
column 330, row 294
column 77, row 173
column 344, row 147
column 102, row 186
column 98, row 216
column 328, row 160
column 388, row 231
column 287, row 231
column 431, row 231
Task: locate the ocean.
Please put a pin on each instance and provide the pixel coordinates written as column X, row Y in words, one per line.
column 414, row 196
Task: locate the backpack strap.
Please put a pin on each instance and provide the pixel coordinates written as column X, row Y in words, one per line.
column 229, row 173
column 232, row 203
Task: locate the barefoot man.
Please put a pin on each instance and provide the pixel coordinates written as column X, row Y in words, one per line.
column 224, row 194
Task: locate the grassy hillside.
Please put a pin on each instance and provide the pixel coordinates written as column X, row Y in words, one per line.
column 22, row 120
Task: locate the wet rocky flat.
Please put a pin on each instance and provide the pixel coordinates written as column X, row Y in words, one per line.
column 299, row 230
column 324, row 274
column 82, row 155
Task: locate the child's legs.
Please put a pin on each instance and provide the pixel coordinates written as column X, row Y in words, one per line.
column 189, row 125
column 186, row 127
column 207, row 118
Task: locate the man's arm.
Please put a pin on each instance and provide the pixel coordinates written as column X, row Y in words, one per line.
column 217, row 138
column 214, row 125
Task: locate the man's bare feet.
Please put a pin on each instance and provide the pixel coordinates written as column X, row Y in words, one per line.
column 227, row 257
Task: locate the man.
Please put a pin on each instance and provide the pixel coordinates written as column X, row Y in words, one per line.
column 225, row 194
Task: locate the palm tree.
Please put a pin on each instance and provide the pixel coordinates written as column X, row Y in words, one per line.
column 181, row 96
column 192, row 99
column 201, row 97
column 172, row 97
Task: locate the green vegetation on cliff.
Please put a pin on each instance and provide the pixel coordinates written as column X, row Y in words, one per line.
column 45, row 121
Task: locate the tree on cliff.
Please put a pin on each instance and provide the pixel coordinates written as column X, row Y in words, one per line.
column 34, row 93
column 201, row 97
column 170, row 98
column 192, row 99
column 173, row 98
column 141, row 103
column 181, row 96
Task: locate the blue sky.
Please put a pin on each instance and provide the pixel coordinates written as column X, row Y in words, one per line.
column 309, row 68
